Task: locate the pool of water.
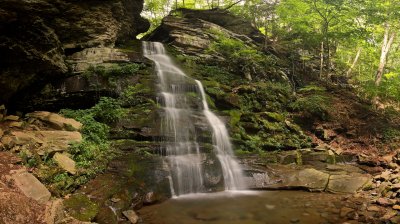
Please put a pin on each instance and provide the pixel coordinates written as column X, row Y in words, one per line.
column 247, row 207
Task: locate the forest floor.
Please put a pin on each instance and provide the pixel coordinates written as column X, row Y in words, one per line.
column 354, row 127
column 15, row 207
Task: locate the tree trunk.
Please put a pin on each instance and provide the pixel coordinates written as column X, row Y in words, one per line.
column 387, row 43
column 321, row 68
column 348, row 73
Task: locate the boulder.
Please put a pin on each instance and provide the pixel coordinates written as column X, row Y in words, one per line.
column 43, row 141
column 385, row 202
column 191, row 33
column 54, row 211
column 7, row 142
column 15, row 124
column 56, row 121
column 219, row 17
column 65, row 162
column 31, row 186
column 347, row 183
column 11, row 118
column 24, row 138
column 281, row 177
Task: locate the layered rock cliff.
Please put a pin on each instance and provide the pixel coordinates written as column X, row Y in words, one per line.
column 35, row 36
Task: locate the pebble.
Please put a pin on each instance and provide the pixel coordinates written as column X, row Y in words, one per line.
column 131, row 215
column 270, row 207
column 384, row 202
column 373, row 208
column 294, row 220
column 115, row 200
column 396, row 207
column 324, row 215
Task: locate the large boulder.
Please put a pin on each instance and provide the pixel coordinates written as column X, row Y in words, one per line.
column 56, row 121
column 287, row 178
column 37, row 35
column 31, row 186
column 41, row 142
column 192, row 31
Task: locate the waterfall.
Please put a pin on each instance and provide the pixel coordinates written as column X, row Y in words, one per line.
column 182, row 147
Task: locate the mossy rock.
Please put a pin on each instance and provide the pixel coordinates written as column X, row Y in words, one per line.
column 272, row 116
column 81, row 207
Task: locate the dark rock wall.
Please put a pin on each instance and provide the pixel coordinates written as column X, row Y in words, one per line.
column 35, row 36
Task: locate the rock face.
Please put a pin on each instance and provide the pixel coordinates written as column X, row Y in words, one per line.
column 192, row 32
column 36, row 36
column 79, row 90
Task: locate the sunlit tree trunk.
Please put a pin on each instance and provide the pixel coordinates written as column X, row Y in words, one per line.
column 348, row 73
column 387, row 43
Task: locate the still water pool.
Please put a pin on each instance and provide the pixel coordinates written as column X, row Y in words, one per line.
column 248, row 207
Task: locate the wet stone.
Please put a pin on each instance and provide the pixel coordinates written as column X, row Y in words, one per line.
column 131, row 215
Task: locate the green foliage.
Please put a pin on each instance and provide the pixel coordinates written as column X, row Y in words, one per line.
column 391, row 134
column 107, row 110
column 241, row 57
column 314, row 103
column 93, row 153
column 388, row 90
column 136, row 94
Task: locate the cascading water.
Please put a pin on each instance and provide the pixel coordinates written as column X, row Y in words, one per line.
column 182, row 147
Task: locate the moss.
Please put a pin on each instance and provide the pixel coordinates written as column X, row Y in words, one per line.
column 235, row 117
column 272, row 116
column 81, row 207
column 299, row 159
column 331, row 159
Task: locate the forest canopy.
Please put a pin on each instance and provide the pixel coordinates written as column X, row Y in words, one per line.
column 356, row 40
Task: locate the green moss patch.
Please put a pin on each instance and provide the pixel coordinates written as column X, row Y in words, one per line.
column 81, row 207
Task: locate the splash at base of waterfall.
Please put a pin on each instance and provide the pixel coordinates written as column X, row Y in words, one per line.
column 181, row 120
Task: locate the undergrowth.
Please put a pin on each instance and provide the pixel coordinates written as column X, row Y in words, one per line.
column 92, row 154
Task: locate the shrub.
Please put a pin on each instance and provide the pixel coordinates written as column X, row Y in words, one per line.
column 313, row 106
column 136, row 95
column 107, row 110
column 92, row 154
column 391, row 134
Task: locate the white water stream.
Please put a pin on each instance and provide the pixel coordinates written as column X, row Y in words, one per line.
column 182, row 148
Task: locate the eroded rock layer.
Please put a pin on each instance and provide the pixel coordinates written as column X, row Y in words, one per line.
column 37, row 35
